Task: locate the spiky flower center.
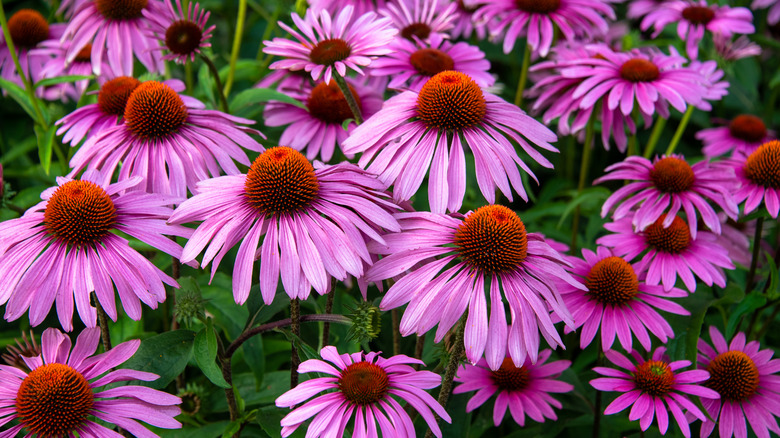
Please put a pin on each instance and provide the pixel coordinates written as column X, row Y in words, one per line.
column 330, row 51
column 27, row 28
column 113, row 95
column 364, row 383
column 429, row 62
column 85, row 54
column 451, row 100
column 79, row 213
column 419, row 30
column 492, row 240
column 281, row 180
column 733, row 375
column 327, row 103
column 698, row 14
column 673, row 239
column 763, row 165
column 672, row 175
column 639, row 70
column 538, row 6
column 654, row 377
column 53, row 400
column 183, row 37
column 748, row 127
column 612, row 281
column 120, row 9
column 154, row 110
column 509, row 377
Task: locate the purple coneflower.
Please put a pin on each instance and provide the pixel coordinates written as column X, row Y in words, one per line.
column 653, row 388
column 489, row 248
column 182, row 34
column 420, row 19
column 57, row 65
column 747, row 381
column 335, row 6
column 28, row 29
column 743, row 135
column 774, row 11
column 64, row 392
column 759, row 178
column 740, row 48
column 319, row 219
column 525, row 390
column 639, row 8
column 63, row 248
column 366, row 386
column 324, row 44
column 464, row 24
column 618, row 301
column 170, row 140
column 415, row 131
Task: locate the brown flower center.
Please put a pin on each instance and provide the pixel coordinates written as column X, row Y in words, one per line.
column 327, row 103
column 53, row 400
column 509, row 377
column 85, row 54
column 419, row 30
column 154, row 110
column 674, row 239
column 538, row 6
column 468, row 9
column 79, row 213
column 612, row 281
column 429, row 62
column 747, row 127
column 492, row 240
column 281, row 180
column 733, row 375
column 113, row 95
column 763, row 165
column 27, row 28
column 639, row 70
column 698, row 14
column 328, row 52
column 672, row 175
column 451, row 100
column 120, row 9
column 364, row 383
column 654, row 377
column 183, row 37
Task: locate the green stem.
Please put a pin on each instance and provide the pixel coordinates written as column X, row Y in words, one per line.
column 456, row 355
column 351, row 101
column 658, row 128
column 756, row 249
column 523, row 76
column 587, row 151
column 680, row 129
column 189, row 76
column 236, row 45
column 631, row 145
column 215, row 74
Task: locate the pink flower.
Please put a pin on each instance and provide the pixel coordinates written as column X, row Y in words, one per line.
column 759, row 178
column 774, row 9
column 740, row 48
column 335, row 6
column 365, row 386
column 182, row 33
column 65, row 389
column 464, row 23
column 56, row 65
column 421, row 19
column 743, row 135
column 28, row 29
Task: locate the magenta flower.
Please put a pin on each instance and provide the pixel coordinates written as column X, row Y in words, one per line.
column 366, row 386
column 464, row 24
column 182, row 33
column 670, row 251
column 666, row 186
column 639, row 8
column 653, row 388
column 617, row 300
column 319, row 219
column 759, row 178
column 692, row 18
column 488, row 248
column 743, row 135
column 420, row 19
column 28, row 29
column 774, row 9
column 335, row 6
column 170, row 140
column 740, row 48
column 412, row 63
column 63, row 248
column 324, row 45
column 63, row 391
column 746, row 379
column 56, row 65
column 415, row 131
column 537, row 20
column 525, row 390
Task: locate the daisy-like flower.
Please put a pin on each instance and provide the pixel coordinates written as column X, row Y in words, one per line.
column 28, row 29
column 325, row 45
column 671, row 251
column 740, row 48
column 692, row 18
column 117, row 30
column 743, row 135
column 365, row 386
column 415, row 131
column 61, row 395
column 653, row 388
column 182, row 34
column 617, row 300
column 759, row 178
column 536, row 20
column 488, row 249
column 667, row 185
column 170, row 140
column 335, row 6
column 420, row 19
column 320, row 127
column 774, row 9
column 525, row 390
column 318, row 218
column 746, row 379
column 464, row 24
column 412, row 63
column 639, row 8
column 57, row 66
column 63, row 248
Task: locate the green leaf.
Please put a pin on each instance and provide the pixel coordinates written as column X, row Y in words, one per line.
column 61, row 80
column 254, row 355
column 261, row 95
column 773, row 290
column 18, row 94
column 595, row 195
column 345, row 124
column 205, row 352
column 45, row 144
column 751, row 302
column 166, row 355
column 206, row 83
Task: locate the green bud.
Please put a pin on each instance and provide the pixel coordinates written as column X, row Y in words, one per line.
column 189, row 303
column 366, row 322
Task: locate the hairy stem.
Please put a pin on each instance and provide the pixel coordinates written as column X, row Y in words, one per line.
column 351, row 101
column 220, row 91
column 295, row 328
column 396, row 331
column 680, row 129
column 105, row 337
column 418, row 349
column 452, row 368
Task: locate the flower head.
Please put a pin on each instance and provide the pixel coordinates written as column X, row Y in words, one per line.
column 420, row 19
column 57, row 65
column 367, row 386
column 28, row 30
column 182, row 34
column 742, row 135
column 759, row 178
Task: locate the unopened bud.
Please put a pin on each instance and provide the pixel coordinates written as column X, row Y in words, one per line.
column 366, row 322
